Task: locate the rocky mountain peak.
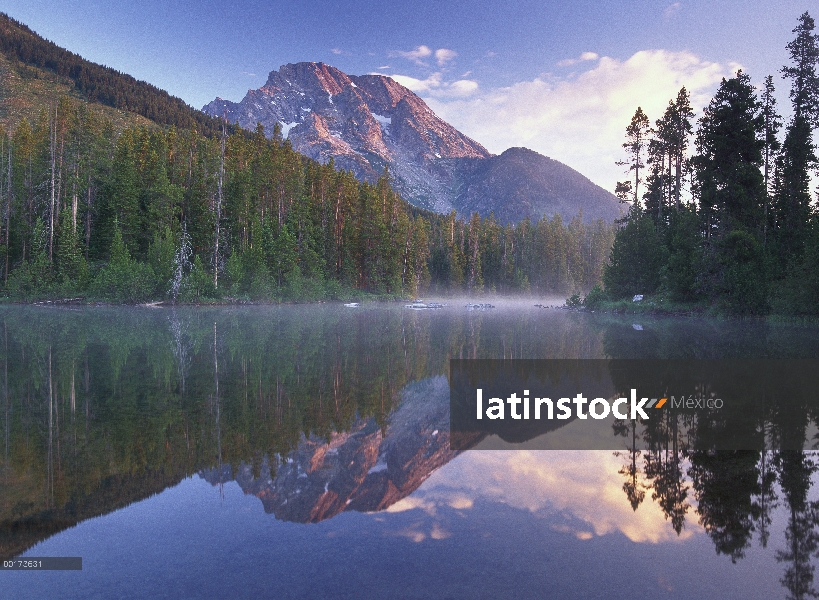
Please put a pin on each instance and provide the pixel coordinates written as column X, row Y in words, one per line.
column 307, row 76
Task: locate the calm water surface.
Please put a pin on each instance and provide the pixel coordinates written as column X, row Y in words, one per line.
column 303, row 452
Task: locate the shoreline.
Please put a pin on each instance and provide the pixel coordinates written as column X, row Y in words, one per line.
column 621, row 308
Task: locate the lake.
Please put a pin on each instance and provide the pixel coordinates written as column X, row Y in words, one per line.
column 303, row 451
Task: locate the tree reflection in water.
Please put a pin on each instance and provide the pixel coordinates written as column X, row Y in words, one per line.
column 735, row 491
column 104, row 407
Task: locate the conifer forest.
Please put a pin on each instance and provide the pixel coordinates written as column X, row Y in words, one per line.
column 732, row 224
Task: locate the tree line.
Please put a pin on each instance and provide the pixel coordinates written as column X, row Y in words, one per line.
column 745, row 235
column 155, row 213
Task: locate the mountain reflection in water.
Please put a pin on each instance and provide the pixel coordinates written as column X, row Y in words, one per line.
column 366, row 468
column 318, row 411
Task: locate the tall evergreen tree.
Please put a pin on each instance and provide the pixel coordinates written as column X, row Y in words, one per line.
column 798, row 151
column 657, row 182
column 730, row 155
column 667, row 152
column 772, row 124
column 804, row 53
column 637, row 134
column 680, row 115
column 71, row 266
column 731, row 193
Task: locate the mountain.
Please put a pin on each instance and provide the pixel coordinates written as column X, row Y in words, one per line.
column 366, row 122
column 521, row 182
column 362, row 122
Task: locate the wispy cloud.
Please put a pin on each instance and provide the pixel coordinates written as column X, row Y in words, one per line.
column 416, row 56
column 336, row 50
column 671, row 10
column 444, row 55
column 586, row 56
column 437, row 87
column 578, row 120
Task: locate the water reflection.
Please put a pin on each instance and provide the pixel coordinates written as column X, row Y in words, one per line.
column 365, row 468
column 581, row 484
column 318, row 410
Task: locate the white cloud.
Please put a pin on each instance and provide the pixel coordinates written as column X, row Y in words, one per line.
column 462, row 87
column 435, row 86
column 336, row 50
column 579, row 120
column 586, row 56
column 444, row 55
column 415, row 56
column 419, row 86
column 383, row 67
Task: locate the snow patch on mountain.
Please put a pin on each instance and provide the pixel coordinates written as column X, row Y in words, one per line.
column 286, row 127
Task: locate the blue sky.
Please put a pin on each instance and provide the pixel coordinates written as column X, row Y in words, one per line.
column 562, row 78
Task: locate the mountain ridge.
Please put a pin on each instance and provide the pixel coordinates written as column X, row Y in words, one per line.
column 366, row 123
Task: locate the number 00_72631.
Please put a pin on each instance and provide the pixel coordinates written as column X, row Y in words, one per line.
column 24, row 564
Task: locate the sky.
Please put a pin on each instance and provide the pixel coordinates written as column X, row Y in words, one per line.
column 561, row 78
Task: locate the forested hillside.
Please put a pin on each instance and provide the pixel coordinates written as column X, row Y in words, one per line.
column 96, row 83
column 165, row 203
column 25, row 90
column 734, row 225
column 171, row 214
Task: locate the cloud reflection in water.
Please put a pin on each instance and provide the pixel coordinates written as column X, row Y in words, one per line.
column 580, row 485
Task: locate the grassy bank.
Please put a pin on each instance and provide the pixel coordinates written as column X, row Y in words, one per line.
column 662, row 305
column 651, row 305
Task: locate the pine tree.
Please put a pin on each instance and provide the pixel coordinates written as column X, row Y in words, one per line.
column 122, row 195
column 655, row 198
column 71, row 266
column 667, row 153
column 636, row 141
column 283, row 254
column 729, row 157
column 798, row 151
column 637, row 257
column 731, row 193
column 772, row 124
column 804, row 52
column 475, row 277
column 680, row 117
